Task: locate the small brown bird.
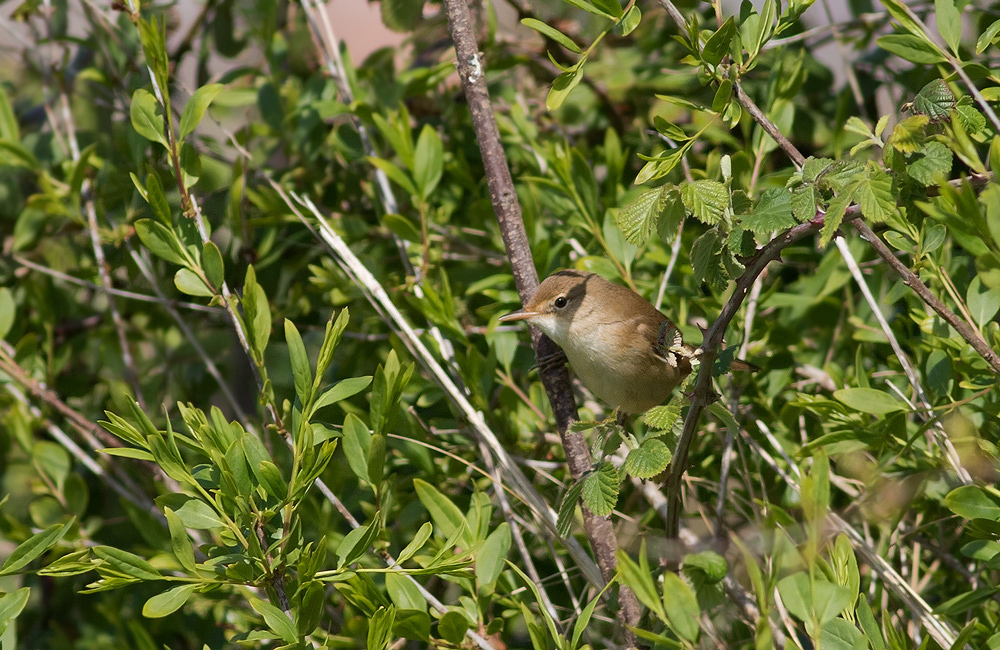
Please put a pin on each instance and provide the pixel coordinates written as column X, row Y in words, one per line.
column 621, row 347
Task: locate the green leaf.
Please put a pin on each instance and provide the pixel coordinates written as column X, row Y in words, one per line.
column 180, row 543
column 161, row 241
column 453, row 626
column 356, row 443
column 988, row 37
column 871, row 629
column 630, row 20
column 445, row 514
column 648, row 460
column 662, row 417
column 418, row 541
column 563, row 85
column 933, row 160
column 803, row 203
column 567, row 508
column 909, row 135
column 11, row 605
column 158, row 200
column 949, row 23
column 356, row 543
column 552, row 33
column 341, row 391
column 706, row 199
column 935, row 100
column 14, row 155
column 600, row 489
column 772, row 212
column 257, row 312
column 722, row 96
column 189, row 282
column 276, row 620
column 638, row 219
column 196, row 106
column 974, row 502
column 9, row 129
column 709, row 563
column 490, row 557
column 589, row 8
column 376, row 460
column 983, row 301
column 869, row 400
column 681, row 606
column 301, row 371
column 641, row 582
column 197, row 514
column 168, row 602
column 380, row 628
column 717, row 45
column 840, row 634
column 660, row 166
column 147, row 117
column 33, row 547
column 835, row 214
column 911, row 48
column 395, row 174
column 211, row 261
column 128, row 563
column 874, row 195
column 7, row 311
column 428, row 162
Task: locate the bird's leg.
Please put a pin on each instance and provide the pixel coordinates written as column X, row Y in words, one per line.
column 549, row 361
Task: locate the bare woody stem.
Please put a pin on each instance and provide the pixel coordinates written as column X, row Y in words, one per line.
column 555, row 377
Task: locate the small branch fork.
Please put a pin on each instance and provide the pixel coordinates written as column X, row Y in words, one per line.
column 555, row 377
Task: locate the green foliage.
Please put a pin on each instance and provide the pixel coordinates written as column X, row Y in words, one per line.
column 276, row 464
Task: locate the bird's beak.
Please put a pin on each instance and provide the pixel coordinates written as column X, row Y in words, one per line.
column 520, row 314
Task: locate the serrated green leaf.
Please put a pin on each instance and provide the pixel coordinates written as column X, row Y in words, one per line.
column 835, row 214
column 147, row 117
column 908, row 136
column 600, row 489
column 196, row 106
column 662, row 417
column 552, row 33
column 772, row 212
column 706, row 200
column 168, row 602
column 935, row 100
column 803, row 202
column 637, row 220
column 874, row 196
column 933, row 159
column 647, row 460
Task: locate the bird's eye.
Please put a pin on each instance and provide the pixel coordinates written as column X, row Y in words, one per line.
column 560, row 302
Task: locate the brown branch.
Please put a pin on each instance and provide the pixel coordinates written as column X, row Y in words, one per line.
column 911, row 280
column 702, row 395
column 555, row 377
